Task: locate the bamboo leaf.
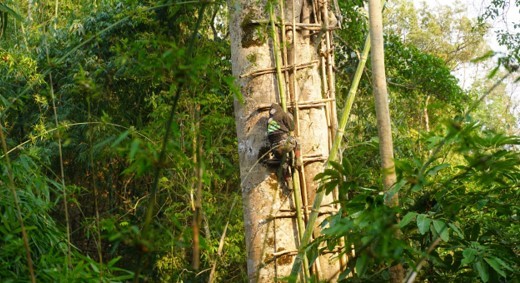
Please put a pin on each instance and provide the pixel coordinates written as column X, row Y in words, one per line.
column 120, row 138
column 493, row 72
column 5, row 8
column 344, row 274
column 484, row 57
column 133, row 149
column 230, row 81
column 432, row 171
column 336, row 166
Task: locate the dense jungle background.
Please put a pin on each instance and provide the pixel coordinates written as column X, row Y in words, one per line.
column 88, row 88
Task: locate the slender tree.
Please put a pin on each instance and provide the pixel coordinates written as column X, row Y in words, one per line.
column 383, row 114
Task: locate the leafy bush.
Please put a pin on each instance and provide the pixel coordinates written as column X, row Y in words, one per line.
column 458, row 214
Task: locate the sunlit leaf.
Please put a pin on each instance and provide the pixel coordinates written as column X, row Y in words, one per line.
column 493, row 72
column 484, row 57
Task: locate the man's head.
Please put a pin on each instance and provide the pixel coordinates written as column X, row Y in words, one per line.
column 275, row 107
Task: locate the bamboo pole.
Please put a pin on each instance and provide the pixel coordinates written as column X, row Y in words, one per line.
column 12, row 187
column 331, row 95
column 197, row 199
column 62, row 175
column 331, row 82
column 296, row 102
column 284, row 51
column 277, row 58
column 300, row 186
column 213, row 272
column 93, row 175
column 333, row 155
column 295, row 178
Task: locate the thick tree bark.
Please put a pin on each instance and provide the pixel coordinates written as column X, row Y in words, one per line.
column 386, row 149
column 271, row 229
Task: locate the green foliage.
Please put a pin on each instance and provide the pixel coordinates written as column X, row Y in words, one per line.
column 46, row 238
column 410, row 68
column 114, row 68
column 444, row 30
column 467, row 196
column 457, row 180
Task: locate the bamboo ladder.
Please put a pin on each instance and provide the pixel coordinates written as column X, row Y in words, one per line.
column 286, row 69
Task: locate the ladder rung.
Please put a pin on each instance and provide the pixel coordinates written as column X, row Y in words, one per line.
column 313, row 158
column 290, row 213
column 306, row 159
column 301, row 105
column 310, row 206
column 283, row 214
column 274, row 256
column 283, row 69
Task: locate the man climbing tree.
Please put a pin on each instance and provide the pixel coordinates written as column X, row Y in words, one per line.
column 279, row 126
column 282, row 143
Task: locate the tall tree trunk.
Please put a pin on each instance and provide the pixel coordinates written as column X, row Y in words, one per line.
column 383, row 113
column 271, row 228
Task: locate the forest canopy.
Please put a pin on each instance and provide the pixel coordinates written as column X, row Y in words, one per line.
column 119, row 148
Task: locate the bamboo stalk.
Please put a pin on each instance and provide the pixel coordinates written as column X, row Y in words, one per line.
column 331, row 94
column 56, row 13
column 413, row 274
column 16, row 201
column 221, row 245
column 62, row 175
column 300, row 189
column 329, row 70
column 96, row 194
column 299, row 220
column 297, row 108
column 284, row 51
column 283, row 98
column 277, row 59
column 197, row 203
column 333, row 153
